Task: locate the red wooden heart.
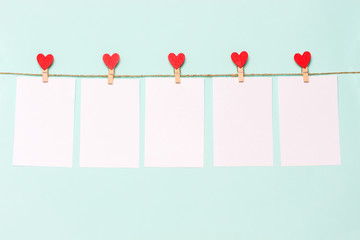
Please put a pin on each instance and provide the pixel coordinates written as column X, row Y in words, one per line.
column 45, row 62
column 302, row 60
column 176, row 61
column 239, row 59
column 111, row 61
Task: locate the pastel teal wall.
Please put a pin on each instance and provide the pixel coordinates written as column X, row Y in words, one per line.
column 275, row 203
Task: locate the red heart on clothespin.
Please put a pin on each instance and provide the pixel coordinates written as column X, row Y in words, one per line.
column 176, row 61
column 302, row 60
column 45, row 62
column 111, row 61
column 239, row 59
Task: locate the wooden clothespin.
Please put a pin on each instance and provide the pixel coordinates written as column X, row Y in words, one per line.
column 241, row 74
column 45, row 63
column 177, row 75
column 111, row 76
column 176, row 62
column 240, row 60
column 45, row 75
column 305, row 72
column 111, row 62
column 303, row 61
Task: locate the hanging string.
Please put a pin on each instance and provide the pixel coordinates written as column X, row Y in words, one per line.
column 184, row 75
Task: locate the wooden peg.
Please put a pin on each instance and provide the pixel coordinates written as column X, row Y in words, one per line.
column 305, row 72
column 45, row 75
column 111, row 76
column 241, row 74
column 177, row 75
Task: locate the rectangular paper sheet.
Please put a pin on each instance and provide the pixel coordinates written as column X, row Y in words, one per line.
column 309, row 125
column 44, row 122
column 174, row 122
column 109, row 129
column 243, row 122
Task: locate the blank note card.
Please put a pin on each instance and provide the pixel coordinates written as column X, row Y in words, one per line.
column 109, row 130
column 309, row 125
column 44, row 122
column 243, row 122
column 174, row 122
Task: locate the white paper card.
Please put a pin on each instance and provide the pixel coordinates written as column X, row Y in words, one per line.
column 309, row 125
column 109, row 129
column 174, row 122
column 44, row 122
column 243, row 122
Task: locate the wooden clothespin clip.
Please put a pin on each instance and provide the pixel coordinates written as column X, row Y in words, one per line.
column 45, row 75
column 177, row 75
column 240, row 60
column 111, row 76
column 176, row 62
column 303, row 61
column 305, row 72
column 241, row 74
column 45, row 63
column 111, row 62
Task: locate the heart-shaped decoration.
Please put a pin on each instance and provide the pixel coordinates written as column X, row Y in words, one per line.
column 45, row 62
column 111, row 61
column 239, row 59
column 302, row 60
column 176, row 61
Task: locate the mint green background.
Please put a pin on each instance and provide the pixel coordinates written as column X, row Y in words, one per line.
column 274, row 203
